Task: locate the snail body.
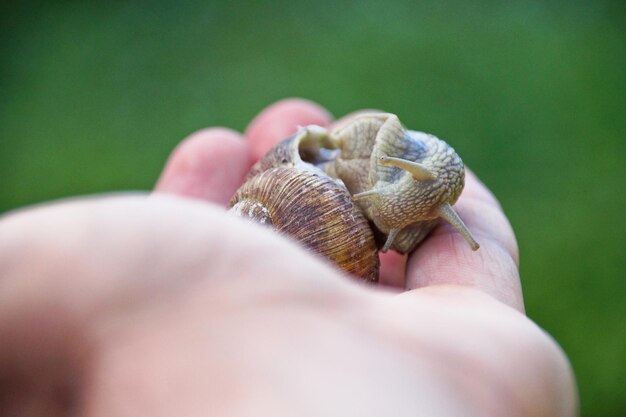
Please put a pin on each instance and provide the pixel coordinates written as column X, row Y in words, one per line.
column 371, row 185
column 403, row 180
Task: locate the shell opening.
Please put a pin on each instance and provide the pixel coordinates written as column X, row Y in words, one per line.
column 316, row 147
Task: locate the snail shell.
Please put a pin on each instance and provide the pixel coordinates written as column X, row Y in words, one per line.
column 403, row 180
column 298, row 199
column 371, row 184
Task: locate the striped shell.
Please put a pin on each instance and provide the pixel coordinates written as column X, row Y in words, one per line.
column 301, row 201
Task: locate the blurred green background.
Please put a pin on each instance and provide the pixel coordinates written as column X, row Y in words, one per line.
column 531, row 94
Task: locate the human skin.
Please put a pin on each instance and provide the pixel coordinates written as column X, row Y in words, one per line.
column 162, row 305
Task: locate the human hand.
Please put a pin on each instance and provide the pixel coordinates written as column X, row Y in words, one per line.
column 155, row 305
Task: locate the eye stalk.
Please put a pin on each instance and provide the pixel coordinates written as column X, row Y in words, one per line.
column 419, row 171
column 447, row 213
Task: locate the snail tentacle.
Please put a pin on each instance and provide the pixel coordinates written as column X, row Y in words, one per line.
column 419, row 171
column 365, row 194
column 393, row 233
column 448, row 214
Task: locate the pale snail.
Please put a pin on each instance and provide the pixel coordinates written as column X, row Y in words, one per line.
column 370, row 185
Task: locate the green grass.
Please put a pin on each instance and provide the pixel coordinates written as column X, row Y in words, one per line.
column 531, row 94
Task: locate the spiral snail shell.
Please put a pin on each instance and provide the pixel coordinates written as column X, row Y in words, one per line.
column 297, row 198
column 345, row 194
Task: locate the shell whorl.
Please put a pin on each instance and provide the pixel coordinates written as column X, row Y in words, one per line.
column 301, row 201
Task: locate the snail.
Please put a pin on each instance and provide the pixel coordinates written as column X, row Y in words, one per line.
column 368, row 186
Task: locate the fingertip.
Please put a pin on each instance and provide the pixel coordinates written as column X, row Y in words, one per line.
column 445, row 258
column 208, row 165
column 280, row 120
column 392, row 269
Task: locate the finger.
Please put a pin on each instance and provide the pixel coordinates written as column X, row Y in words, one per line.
column 76, row 273
column 90, row 247
column 281, row 120
column 208, row 165
column 445, row 258
column 465, row 329
column 392, row 269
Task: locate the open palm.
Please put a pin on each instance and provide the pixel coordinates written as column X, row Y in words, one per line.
column 160, row 305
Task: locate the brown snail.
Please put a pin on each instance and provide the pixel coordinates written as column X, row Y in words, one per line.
column 344, row 194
